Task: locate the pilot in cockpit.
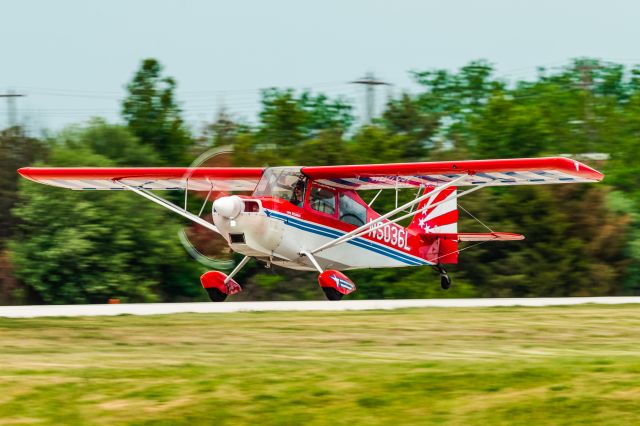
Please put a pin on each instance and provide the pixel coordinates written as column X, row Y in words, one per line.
column 297, row 197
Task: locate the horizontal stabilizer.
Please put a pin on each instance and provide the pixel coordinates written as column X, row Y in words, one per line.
column 474, row 236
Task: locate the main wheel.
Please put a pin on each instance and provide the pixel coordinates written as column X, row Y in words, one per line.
column 332, row 293
column 445, row 282
column 216, row 295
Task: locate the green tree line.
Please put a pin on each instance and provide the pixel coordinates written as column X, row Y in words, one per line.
column 61, row 246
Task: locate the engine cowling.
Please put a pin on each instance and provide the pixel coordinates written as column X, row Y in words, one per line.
column 229, row 206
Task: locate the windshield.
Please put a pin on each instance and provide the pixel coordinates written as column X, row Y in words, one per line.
column 282, row 182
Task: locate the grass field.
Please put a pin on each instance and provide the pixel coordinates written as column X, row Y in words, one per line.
column 480, row 366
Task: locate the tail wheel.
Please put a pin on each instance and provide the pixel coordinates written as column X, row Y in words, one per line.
column 445, row 282
column 332, row 293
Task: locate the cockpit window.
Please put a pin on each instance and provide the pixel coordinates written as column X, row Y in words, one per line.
column 322, row 200
column 351, row 211
column 282, row 182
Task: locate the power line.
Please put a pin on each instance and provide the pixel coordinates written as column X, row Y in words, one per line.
column 191, row 93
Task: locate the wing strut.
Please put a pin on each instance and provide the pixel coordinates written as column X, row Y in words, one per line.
column 169, row 205
column 350, row 235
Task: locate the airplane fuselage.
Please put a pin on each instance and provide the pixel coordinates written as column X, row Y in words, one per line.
column 275, row 230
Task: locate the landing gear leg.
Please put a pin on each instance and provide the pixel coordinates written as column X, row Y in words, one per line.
column 237, row 269
column 445, row 280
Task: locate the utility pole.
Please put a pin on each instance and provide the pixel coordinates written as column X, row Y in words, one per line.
column 11, row 106
column 586, row 68
column 369, row 81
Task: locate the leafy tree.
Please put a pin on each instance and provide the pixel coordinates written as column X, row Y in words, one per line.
column 574, row 242
column 79, row 247
column 288, row 120
column 224, row 131
column 16, row 150
column 294, row 129
column 505, row 129
column 113, row 141
column 455, row 98
column 152, row 114
column 326, row 148
column 376, row 144
column 404, row 117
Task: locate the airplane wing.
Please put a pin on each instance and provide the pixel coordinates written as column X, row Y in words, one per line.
column 149, row 178
column 515, row 171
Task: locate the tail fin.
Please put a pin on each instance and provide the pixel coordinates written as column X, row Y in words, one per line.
column 443, row 219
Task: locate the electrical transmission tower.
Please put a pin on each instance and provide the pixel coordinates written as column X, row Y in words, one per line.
column 11, row 106
column 369, row 81
column 586, row 69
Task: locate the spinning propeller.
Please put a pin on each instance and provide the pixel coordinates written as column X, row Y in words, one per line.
column 209, row 249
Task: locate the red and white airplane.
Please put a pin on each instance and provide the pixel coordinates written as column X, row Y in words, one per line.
column 312, row 218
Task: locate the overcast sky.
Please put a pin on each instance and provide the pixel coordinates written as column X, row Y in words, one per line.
column 73, row 58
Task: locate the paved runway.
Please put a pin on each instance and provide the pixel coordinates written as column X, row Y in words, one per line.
column 345, row 305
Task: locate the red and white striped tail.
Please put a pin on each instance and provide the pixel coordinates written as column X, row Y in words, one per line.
column 443, row 219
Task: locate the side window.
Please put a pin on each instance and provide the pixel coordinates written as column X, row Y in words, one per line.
column 351, row 211
column 322, row 200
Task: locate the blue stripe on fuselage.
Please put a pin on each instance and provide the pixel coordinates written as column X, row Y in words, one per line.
column 358, row 242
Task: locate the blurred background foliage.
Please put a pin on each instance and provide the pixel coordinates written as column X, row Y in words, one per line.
column 60, row 246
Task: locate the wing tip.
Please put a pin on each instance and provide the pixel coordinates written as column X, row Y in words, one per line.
column 578, row 168
column 25, row 173
column 508, row 236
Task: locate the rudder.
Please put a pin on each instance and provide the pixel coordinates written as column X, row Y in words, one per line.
column 443, row 219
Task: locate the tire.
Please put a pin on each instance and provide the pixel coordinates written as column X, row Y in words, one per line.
column 445, row 282
column 332, row 293
column 216, row 295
